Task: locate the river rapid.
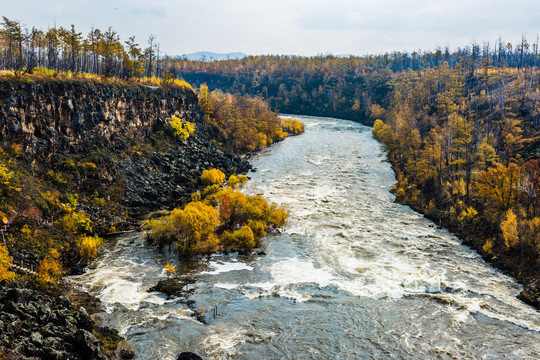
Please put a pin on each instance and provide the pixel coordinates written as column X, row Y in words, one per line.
column 354, row 274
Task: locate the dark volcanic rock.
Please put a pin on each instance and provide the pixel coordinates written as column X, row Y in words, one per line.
column 170, row 287
column 91, row 304
column 188, row 356
column 36, row 325
column 83, row 319
column 86, row 345
column 166, row 180
column 531, row 294
column 58, row 115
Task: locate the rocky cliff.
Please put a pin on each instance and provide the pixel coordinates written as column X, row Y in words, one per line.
column 50, row 116
column 122, row 129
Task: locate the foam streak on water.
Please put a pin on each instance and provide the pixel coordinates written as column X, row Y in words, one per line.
column 354, row 275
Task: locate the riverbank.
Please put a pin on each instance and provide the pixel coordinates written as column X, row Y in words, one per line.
column 478, row 212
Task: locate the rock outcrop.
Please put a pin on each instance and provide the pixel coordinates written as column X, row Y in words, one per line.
column 531, row 294
column 34, row 325
column 52, row 120
column 164, row 180
column 188, row 356
column 50, row 116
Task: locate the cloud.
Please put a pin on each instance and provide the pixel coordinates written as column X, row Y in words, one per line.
column 306, row 27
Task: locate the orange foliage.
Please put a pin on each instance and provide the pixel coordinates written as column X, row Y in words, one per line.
column 248, row 123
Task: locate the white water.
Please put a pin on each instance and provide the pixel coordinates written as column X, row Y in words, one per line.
column 354, row 275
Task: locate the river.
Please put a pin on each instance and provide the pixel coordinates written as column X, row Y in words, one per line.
column 354, row 274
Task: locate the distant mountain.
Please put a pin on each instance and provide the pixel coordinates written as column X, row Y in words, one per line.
column 209, row 56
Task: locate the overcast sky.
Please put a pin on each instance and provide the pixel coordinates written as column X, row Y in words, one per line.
column 302, row 27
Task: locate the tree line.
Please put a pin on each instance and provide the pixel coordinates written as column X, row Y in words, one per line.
column 99, row 52
column 344, row 87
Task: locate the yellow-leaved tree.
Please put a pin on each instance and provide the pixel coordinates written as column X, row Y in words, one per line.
column 499, row 184
column 5, row 264
column 205, row 103
column 509, row 227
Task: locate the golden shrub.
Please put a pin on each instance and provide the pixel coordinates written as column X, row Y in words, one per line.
column 278, row 217
column 258, row 228
column 89, row 246
column 182, row 129
column 49, row 269
column 192, row 228
column 236, row 181
column 233, row 181
column 239, row 240
column 75, row 222
column 488, row 247
column 169, row 269
column 212, row 177
column 292, row 126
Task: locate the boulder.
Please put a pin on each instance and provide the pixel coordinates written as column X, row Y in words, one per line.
column 531, row 294
column 83, row 319
column 170, row 287
column 188, row 356
column 86, row 345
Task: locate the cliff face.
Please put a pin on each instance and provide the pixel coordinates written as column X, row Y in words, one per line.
column 122, row 131
column 51, row 116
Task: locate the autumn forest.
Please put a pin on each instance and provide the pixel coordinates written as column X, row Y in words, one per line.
column 460, row 126
column 131, row 140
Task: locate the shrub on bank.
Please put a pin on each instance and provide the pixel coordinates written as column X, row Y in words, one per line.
column 225, row 219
